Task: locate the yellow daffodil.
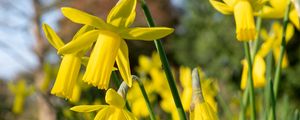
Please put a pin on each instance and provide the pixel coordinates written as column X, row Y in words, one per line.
column 20, row 91
column 203, row 105
column 258, row 74
column 109, row 37
column 277, row 8
column 70, row 65
column 272, row 42
column 113, row 111
column 185, row 77
column 243, row 11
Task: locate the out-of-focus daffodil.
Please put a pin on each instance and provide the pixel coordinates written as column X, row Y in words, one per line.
column 20, row 91
column 277, row 8
column 185, row 77
column 244, row 11
column 272, row 42
column 258, row 74
column 109, row 37
column 201, row 108
column 113, row 111
column 70, row 64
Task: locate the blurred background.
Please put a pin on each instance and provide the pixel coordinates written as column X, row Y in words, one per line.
column 203, row 37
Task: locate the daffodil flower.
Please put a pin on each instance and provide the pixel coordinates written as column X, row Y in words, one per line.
column 113, row 111
column 109, row 37
column 277, row 9
column 258, row 74
column 70, row 64
column 21, row 91
column 272, row 42
column 243, row 11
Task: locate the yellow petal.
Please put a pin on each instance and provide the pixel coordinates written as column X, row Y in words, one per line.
column 221, row 7
column 87, row 108
column 276, row 53
column 203, row 111
column 128, row 115
column 294, row 18
column 265, row 47
column 80, row 43
column 104, row 114
column 289, row 32
column 102, row 59
column 82, row 30
column 147, row 34
column 123, row 14
column 123, row 63
column 52, row 37
column 245, row 28
column 81, row 17
column 259, row 71
column 113, row 98
column 67, row 76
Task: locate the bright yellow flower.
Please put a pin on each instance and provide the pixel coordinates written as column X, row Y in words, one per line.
column 70, row 65
column 272, row 42
column 20, row 91
column 113, row 111
column 109, row 37
column 277, row 8
column 258, row 74
column 243, row 11
column 203, row 111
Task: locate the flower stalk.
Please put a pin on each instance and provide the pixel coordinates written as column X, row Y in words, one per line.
column 142, row 88
column 165, row 64
column 250, row 80
column 282, row 49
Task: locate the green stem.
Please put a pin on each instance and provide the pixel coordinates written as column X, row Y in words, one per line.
column 282, row 49
column 254, row 50
column 250, row 80
column 142, row 88
column 256, row 41
column 268, row 91
column 118, row 83
column 165, row 64
column 272, row 106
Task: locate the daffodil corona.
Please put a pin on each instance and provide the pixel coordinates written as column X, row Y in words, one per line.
column 110, row 46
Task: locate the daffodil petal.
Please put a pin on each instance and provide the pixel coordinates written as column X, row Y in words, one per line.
column 83, row 30
column 87, row 108
column 123, row 63
column 289, row 32
column 123, row 14
column 221, row 7
column 244, row 74
column 128, row 115
column 80, row 43
column 259, row 71
column 294, row 18
column 113, row 98
column 52, row 37
column 80, row 17
column 147, row 34
column 104, row 114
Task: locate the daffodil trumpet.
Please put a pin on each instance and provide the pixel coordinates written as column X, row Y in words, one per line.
column 110, row 46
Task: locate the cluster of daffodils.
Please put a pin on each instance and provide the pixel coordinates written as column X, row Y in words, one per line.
column 106, row 41
column 155, row 83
